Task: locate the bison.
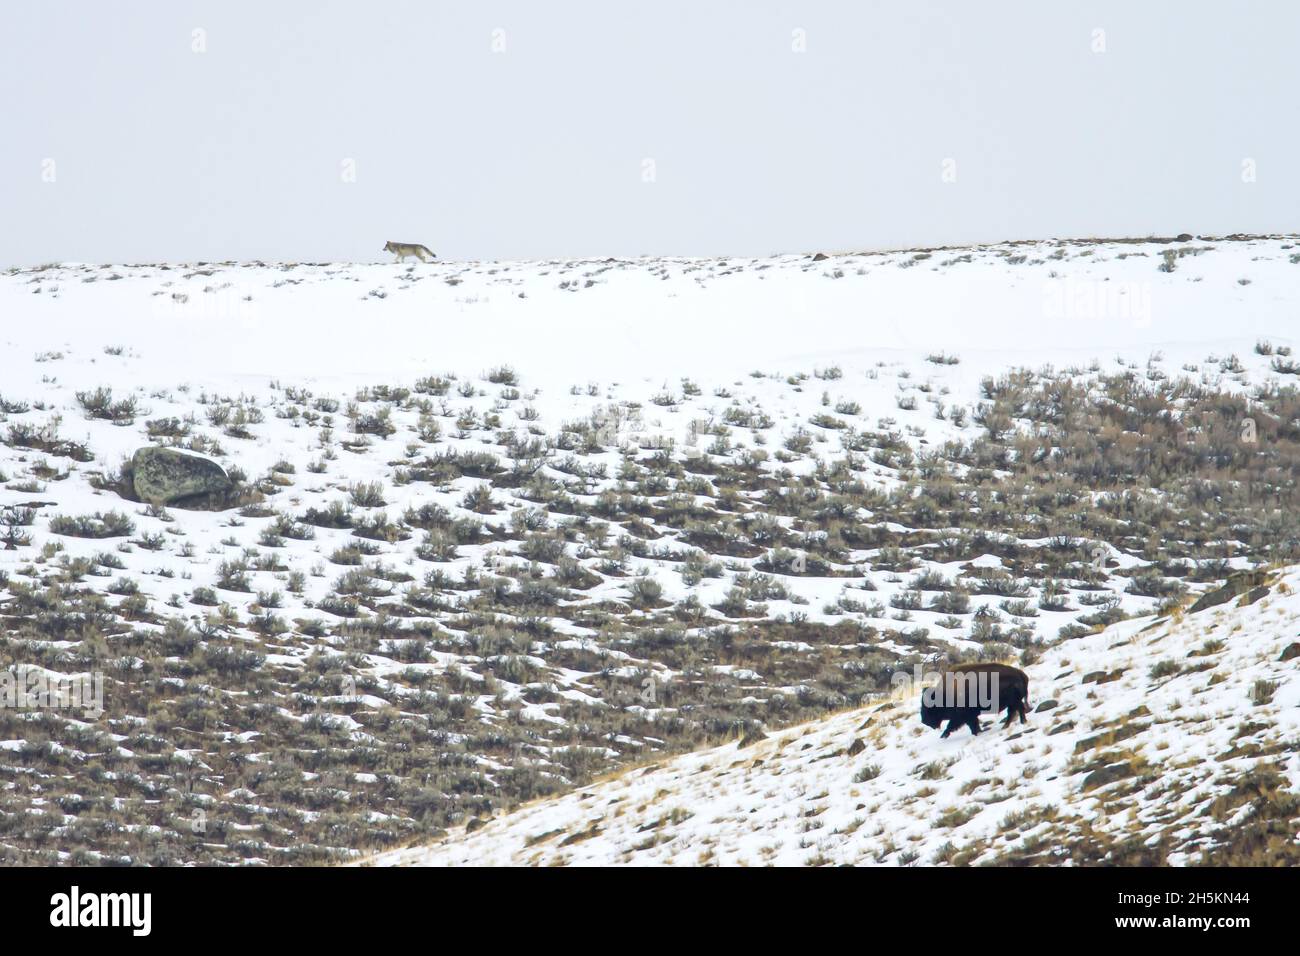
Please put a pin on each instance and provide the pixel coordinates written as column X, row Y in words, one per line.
column 965, row 691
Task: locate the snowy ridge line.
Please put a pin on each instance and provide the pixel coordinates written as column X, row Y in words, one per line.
column 576, row 320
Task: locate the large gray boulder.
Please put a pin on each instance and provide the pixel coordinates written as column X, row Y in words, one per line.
column 167, row 476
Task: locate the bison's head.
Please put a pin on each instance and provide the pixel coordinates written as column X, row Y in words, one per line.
column 930, row 716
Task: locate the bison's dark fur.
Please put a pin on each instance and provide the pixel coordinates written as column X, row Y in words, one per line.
column 967, row 690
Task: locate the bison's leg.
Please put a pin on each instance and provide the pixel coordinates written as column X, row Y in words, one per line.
column 1015, row 705
column 973, row 722
column 952, row 725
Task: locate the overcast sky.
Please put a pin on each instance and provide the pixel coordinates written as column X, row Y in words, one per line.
column 317, row 130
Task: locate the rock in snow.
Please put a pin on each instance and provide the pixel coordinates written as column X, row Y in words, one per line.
column 167, row 476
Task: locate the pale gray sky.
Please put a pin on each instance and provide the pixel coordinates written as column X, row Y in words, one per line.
column 538, row 149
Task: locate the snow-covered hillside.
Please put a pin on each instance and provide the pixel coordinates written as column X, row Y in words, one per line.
column 1172, row 741
column 493, row 530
